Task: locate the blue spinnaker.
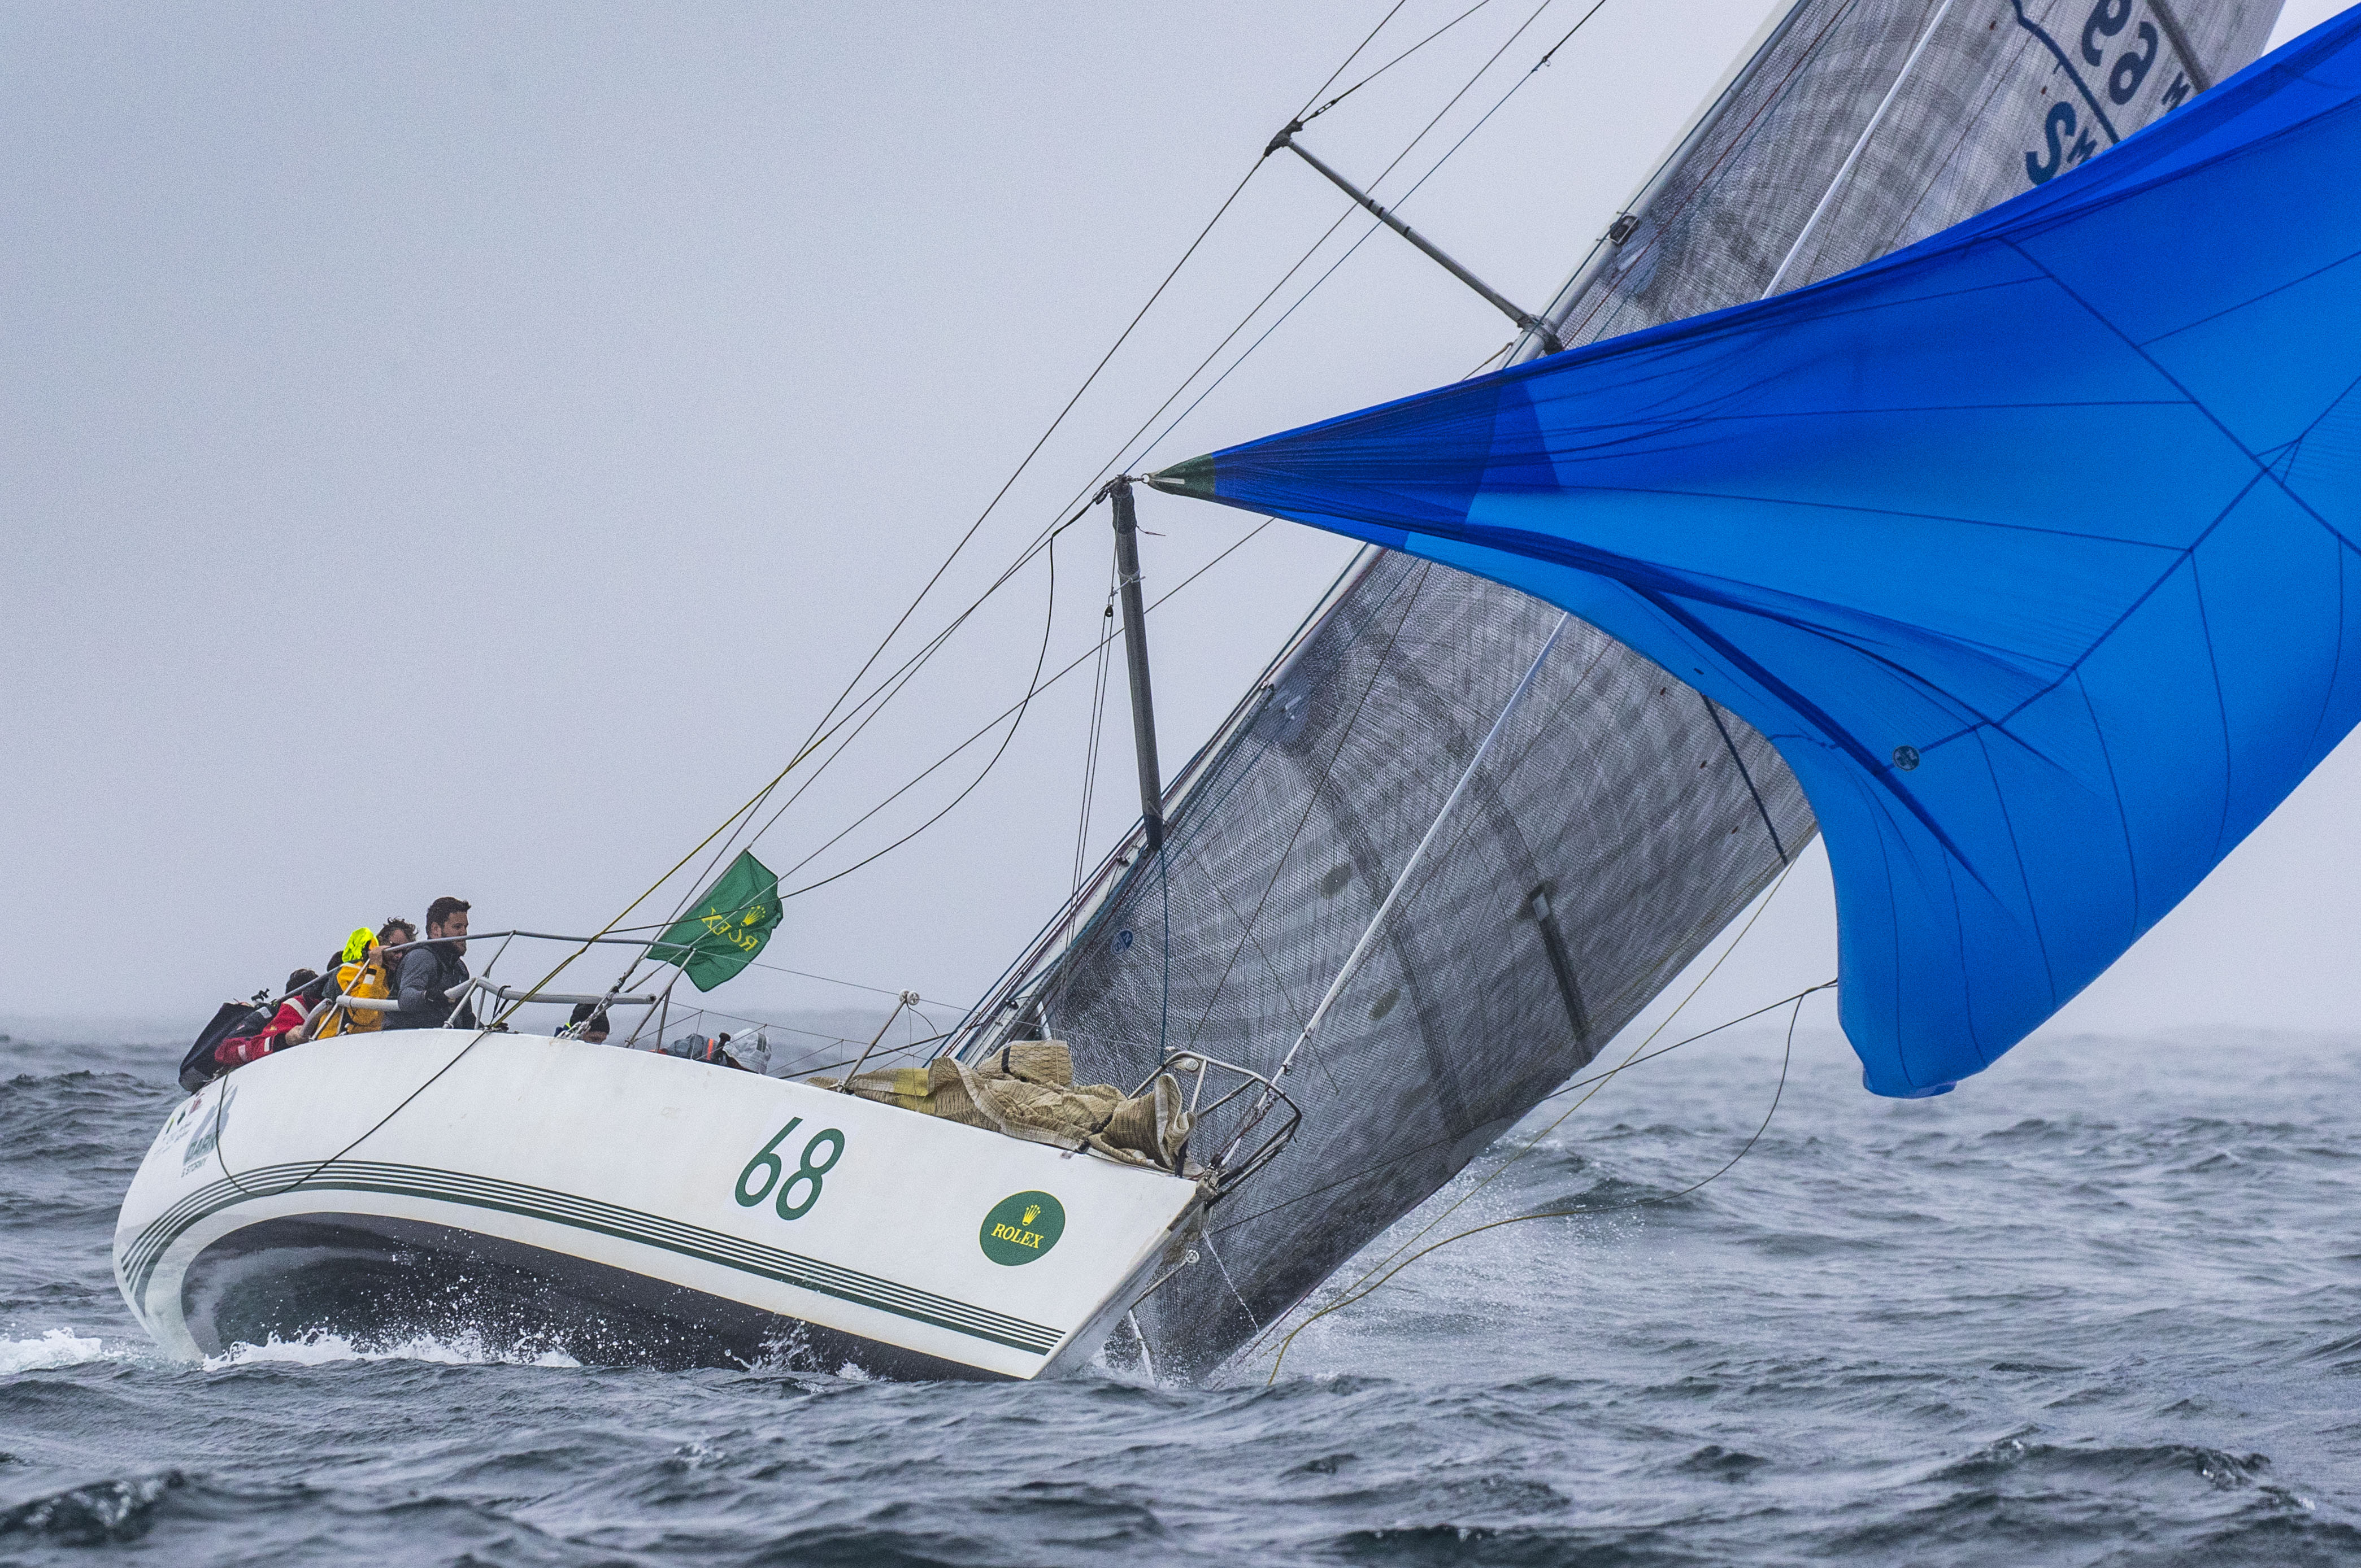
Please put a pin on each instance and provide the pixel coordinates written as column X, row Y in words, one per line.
column 2031, row 547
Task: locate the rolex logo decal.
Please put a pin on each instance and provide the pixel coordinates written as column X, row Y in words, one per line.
column 1021, row 1227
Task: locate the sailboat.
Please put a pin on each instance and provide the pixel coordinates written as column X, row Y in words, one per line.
column 1470, row 821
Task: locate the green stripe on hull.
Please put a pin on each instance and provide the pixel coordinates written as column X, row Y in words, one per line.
column 146, row 1250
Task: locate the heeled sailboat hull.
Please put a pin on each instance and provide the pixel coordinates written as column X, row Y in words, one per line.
column 623, row 1206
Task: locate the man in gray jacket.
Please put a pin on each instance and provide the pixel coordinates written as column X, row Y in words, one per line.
column 432, row 973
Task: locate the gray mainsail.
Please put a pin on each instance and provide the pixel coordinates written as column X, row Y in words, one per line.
column 1617, row 821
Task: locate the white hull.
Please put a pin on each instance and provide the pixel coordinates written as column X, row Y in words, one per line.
column 599, row 1199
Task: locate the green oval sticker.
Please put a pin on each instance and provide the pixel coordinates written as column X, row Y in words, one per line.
column 1021, row 1228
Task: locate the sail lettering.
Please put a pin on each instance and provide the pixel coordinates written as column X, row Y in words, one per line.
column 2059, row 125
column 2125, row 78
column 2131, row 69
column 2107, row 20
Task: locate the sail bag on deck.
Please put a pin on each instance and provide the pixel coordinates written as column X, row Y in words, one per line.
column 1027, row 1090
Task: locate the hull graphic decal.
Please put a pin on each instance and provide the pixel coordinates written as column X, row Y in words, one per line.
column 139, row 1259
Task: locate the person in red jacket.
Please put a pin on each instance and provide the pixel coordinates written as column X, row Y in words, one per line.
column 303, row 987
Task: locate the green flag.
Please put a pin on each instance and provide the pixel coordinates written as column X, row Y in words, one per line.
column 727, row 926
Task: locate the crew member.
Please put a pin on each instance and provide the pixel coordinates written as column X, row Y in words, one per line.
column 285, row 1028
column 365, row 975
column 433, row 973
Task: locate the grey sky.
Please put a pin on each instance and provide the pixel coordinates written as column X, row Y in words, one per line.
column 461, row 448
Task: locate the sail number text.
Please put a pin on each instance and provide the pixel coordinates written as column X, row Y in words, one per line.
column 2069, row 139
column 800, row 1187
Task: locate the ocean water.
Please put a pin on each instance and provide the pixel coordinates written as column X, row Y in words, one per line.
column 2103, row 1306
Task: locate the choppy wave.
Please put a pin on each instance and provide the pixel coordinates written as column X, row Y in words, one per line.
column 54, row 1348
column 2103, row 1306
column 101, row 1513
column 465, row 1349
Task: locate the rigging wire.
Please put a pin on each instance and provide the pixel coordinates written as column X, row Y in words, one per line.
column 1397, row 60
column 891, row 687
column 1571, row 1211
column 831, row 979
column 1402, row 1155
column 870, row 706
column 994, row 723
column 768, row 1023
column 1032, row 689
column 1096, row 732
column 1366, row 234
column 876, row 703
column 1346, row 63
column 895, row 684
column 881, row 1053
column 1022, row 464
column 735, row 825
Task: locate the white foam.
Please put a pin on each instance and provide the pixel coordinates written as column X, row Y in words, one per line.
column 325, row 1349
column 58, row 1347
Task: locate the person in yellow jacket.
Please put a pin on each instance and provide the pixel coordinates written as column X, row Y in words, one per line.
column 365, row 975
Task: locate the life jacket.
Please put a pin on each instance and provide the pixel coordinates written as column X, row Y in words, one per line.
column 705, row 1048
column 363, row 980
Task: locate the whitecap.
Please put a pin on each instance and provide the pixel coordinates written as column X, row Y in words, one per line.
column 57, row 1348
column 321, row 1349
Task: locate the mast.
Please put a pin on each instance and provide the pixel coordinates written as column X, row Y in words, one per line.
column 1135, row 658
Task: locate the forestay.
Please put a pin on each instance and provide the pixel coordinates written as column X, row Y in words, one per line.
column 1620, row 820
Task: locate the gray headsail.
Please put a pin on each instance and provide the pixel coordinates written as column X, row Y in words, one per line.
column 1616, row 821
column 1859, row 127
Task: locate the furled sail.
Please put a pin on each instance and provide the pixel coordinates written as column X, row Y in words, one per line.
column 1620, row 819
column 2035, row 547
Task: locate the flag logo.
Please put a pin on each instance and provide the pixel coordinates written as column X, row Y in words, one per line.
column 736, row 917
